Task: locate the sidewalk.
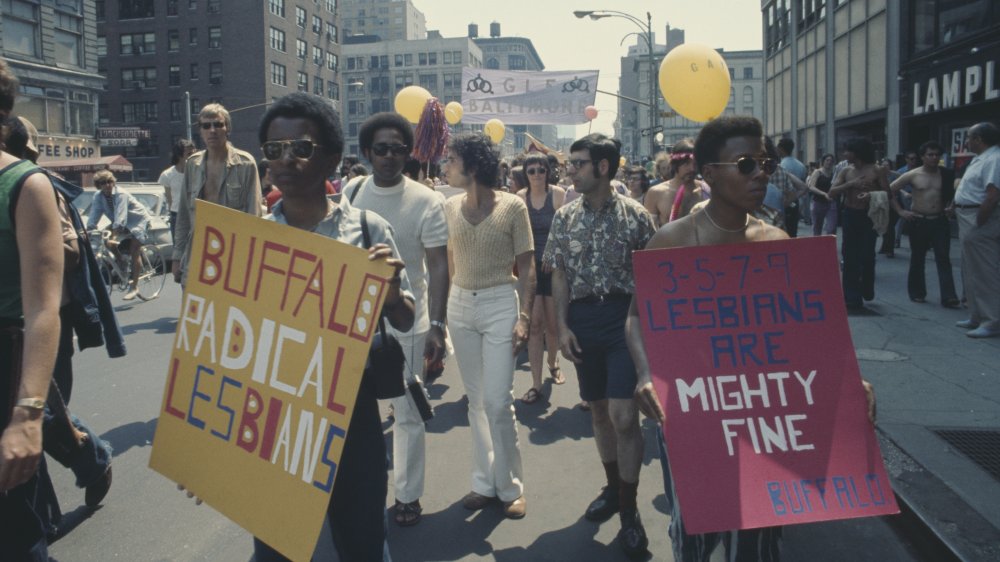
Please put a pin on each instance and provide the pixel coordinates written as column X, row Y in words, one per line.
column 938, row 394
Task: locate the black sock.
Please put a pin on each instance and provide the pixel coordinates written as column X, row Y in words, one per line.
column 627, row 493
column 611, row 470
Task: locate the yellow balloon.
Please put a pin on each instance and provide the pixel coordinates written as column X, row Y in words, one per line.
column 621, row 162
column 453, row 112
column 694, row 79
column 410, row 102
column 495, row 130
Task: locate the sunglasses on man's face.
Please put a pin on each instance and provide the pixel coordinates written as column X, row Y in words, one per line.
column 578, row 162
column 747, row 165
column 213, row 125
column 534, row 171
column 102, row 183
column 300, row 148
column 396, row 149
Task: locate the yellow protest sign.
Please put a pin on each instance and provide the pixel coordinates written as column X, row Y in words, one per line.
column 270, row 346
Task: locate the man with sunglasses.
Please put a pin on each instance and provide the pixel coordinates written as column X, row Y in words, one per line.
column 589, row 250
column 417, row 216
column 220, row 174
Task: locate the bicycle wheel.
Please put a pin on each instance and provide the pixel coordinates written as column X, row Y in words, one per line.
column 150, row 284
column 105, row 272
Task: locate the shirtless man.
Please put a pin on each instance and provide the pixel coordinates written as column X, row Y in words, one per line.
column 733, row 161
column 219, row 174
column 661, row 199
column 858, row 180
column 928, row 224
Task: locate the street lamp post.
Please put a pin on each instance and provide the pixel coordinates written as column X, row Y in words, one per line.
column 648, row 29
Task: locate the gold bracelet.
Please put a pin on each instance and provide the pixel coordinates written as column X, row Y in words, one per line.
column 35, row 403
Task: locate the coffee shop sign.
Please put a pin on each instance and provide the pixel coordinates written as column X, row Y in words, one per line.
column 977, row 82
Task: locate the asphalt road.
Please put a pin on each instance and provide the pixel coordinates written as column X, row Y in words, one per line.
column 145, row 518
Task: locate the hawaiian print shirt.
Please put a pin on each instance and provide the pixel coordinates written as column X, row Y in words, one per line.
column 594, row 246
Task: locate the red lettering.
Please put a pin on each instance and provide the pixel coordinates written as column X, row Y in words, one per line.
column 229, row 266
column 264, row 266
column 207, row 256
column 317, row 278
column 248, row 421
column 270, row 428
column 169, row 408
column 334, row 325
column 331, row 401
column 296, row 254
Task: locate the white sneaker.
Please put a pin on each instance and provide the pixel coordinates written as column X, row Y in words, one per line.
column 131, row 294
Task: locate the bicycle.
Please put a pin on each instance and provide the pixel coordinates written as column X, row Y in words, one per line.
column 119, row 272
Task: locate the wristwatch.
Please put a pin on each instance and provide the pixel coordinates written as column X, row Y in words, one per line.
column 31, row 403
column 438, row 324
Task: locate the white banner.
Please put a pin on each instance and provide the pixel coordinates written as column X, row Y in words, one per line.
column 527, row 98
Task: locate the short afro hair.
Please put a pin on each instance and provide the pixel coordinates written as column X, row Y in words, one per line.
column 715, row 133
column 601, row 147
column 302, row 105
column 930, row 145
column 479, row 155
column 862, row 148
column 384, row 120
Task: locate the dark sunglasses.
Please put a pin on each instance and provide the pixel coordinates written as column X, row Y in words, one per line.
column 99, row 183
column 301, row 148
column 748, row 165
column 213, row 125
column 579, row 162
column 396, row 149
column 533, row 171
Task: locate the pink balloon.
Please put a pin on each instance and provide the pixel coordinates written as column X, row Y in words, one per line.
column 590, row 112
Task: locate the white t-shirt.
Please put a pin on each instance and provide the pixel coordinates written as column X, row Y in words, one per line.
column 173, row 181
column 416, row 213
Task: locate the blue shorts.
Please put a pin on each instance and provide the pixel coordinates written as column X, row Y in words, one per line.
column 606, row 369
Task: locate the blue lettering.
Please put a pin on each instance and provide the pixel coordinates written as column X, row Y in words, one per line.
column 674, row 313
column 798, row 498
column 772, row 346
column 812, row 301
column 774, row 491
column 723, row 345
column 331, row 433
column 861, row 504
column 840, row 487
column 707, row 311
column 789, row 309
column 869, row 478
column 222, row 389
column 728, row 318
column 195, row 395
column 747, row 342
column 650, row 319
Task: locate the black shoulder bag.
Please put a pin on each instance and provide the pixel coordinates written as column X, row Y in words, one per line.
column 384, row 370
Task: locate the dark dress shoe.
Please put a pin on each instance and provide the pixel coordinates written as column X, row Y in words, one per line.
column 96, row 491
column 632, row 536
column 602, row 508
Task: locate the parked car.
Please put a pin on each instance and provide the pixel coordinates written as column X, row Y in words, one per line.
column 151, row 196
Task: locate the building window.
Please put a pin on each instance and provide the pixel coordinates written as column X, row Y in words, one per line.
column 492, row 63
column 192, row 5
column 300, row 17
column 747, row 95
column 317, row 56
column 397, row 60
column 174, row 75
column 332, row 90
column 332, row 61
column 456, row 57
column 408, row 59
column 300, row 49
column 303, row 81
column 374, row 62
column 331, row 6
column 379, row 85
column 195, row 106
column 193, row 37
column 99, row 9
column 173, row 40
column 215, row 38
column 277, row 39
column 517, row 62
column 748, row 73
column 432, row 58
column 139, row 112
column 317, row 24
column 277, row 7
column 194, row 71
column 776, row 25
column 102, row 46
column 171, row 7
column 215, row 73
column 139, row 77
column 278, row 74
column 175, row 110
column 331, row 32
column 732, row 74
column 214, row 6
column 447, row 57
column 935, row 24
column 429, row 81
column 318, row 85
column 135, row 9
column 137, row 44
column 422, row 57
column 21, row 28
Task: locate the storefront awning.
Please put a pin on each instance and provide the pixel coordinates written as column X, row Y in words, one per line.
column 115, row 163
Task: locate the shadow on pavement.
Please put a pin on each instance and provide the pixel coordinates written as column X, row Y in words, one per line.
column 574, row 542
column 135, row 434
column 549, row 426
column 449, row 415
column 72, row 520
column 165, row 325
column 468, row 533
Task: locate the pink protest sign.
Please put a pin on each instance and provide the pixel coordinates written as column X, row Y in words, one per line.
column 752, row 358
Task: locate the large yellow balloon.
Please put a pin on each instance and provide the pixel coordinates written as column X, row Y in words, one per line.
column 410, row 102
column 453, row 112
column 694, row 79
column 495, row 129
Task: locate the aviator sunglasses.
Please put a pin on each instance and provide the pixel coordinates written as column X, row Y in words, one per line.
column 301, row 148
column 213, row 125
column 748, row 165
column 396, row 149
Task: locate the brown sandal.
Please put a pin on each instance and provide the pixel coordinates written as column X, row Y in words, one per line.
column 557, row 375
column 407, row 514
column 531, row 396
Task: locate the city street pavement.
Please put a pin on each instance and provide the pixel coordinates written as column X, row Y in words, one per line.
column 926, row 372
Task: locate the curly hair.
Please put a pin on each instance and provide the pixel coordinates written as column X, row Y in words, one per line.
column 8, row 87
column 310, row 107
column 715, row 133
column 862, row 148
column 479, row 155
column 384, row 120
column 178, row 150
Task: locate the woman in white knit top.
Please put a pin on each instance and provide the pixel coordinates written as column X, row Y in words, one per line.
column 489, row 232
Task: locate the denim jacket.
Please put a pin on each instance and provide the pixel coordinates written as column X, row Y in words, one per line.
column 94, row 318
column 128, row 212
